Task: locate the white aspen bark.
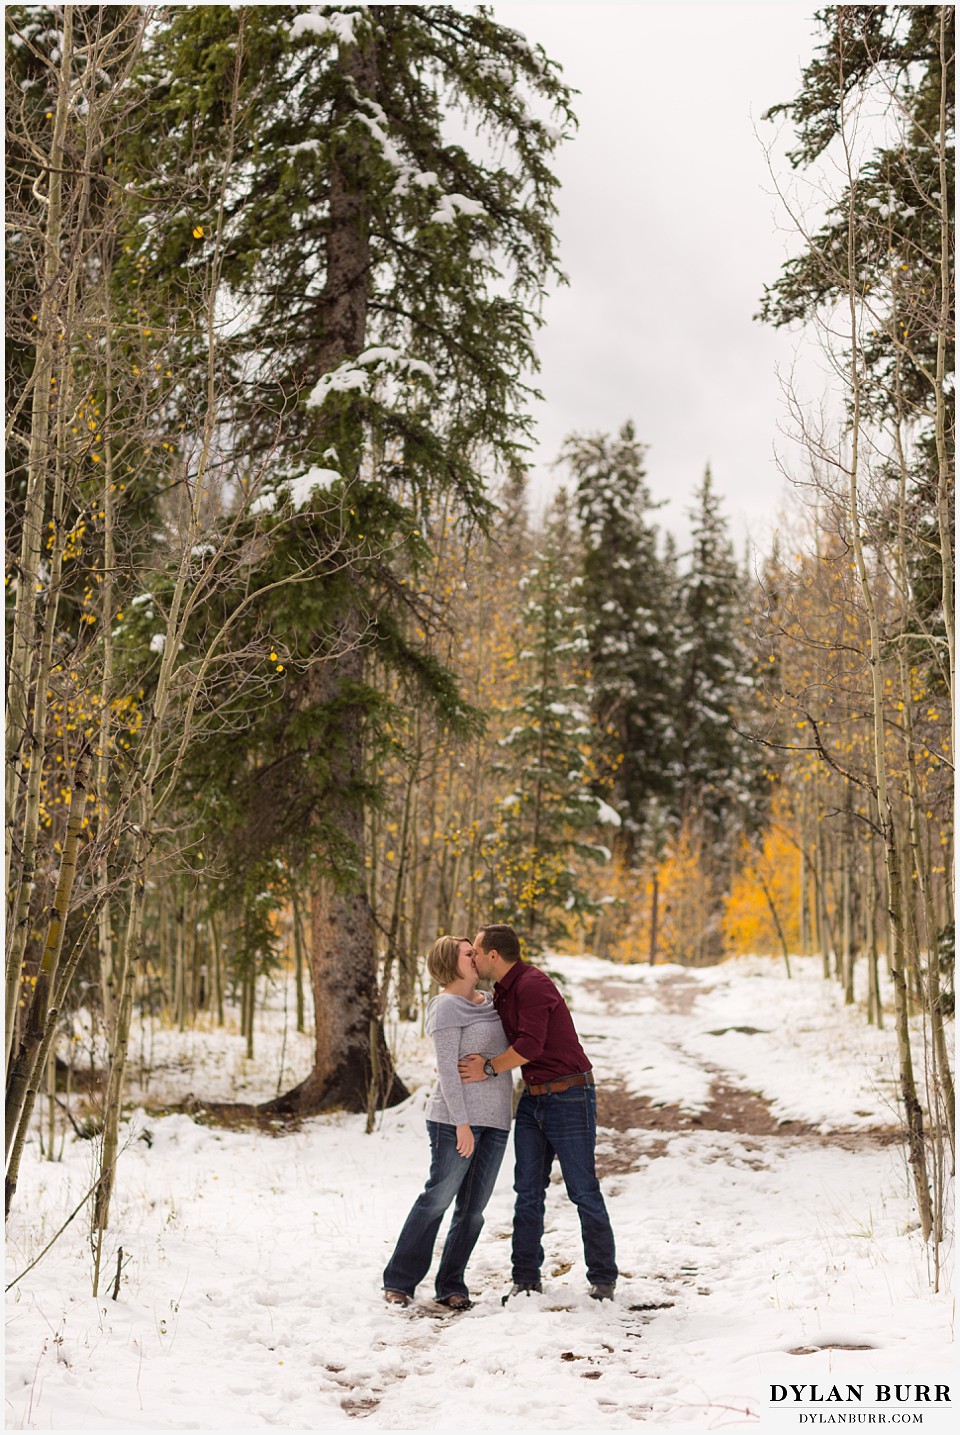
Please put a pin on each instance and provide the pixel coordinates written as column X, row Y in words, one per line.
column 31, row 546
column 23, row 1069
column 942, row 1076
column 946, row 298
column 24, row 636
column 217, row 949
column 64, row 980
column 874, row 1002
column 105, row 934
column 154, row 739
column 847, row 899
column 913, row 1113
column 132, row 944
column 51, row 1070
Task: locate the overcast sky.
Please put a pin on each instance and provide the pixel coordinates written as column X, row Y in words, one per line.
column 668, row 230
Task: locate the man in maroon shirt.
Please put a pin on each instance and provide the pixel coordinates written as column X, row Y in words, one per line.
column 557, row 1114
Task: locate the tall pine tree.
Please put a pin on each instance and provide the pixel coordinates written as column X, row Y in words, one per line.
column 713, row 757
column 390, row 278
column 544, row 821
column 627, row 595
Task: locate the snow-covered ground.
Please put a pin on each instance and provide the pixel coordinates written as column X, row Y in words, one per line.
column 250, row 1286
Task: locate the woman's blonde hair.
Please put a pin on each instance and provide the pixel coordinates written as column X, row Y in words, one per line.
column 443, row 958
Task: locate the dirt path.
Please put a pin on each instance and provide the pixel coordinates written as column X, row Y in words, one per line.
column 625, row 1119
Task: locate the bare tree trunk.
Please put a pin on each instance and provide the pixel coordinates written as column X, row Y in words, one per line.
column 216, row 949
column 51, row 1102
column 848, row 946
column 126, row 986
column 823, row 918
column 251, row 1008
column 944, row 476
column 874, row 1003
column 654, row 906
column 776, row 922
column 346, row 1003
column 63, row 984
column 298, row 957
column 23, row 1070
column 105, row 939
column 913, row 1113
column 804, row 885
column 24, row 638
column 343, row 954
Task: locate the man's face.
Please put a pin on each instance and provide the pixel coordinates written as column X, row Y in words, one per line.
column 481, row 960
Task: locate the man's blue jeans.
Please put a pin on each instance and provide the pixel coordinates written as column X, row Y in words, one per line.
column 561, row 1124
column 470, row 1180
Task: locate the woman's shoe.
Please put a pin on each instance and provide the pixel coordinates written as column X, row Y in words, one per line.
column 396, row 1298
column 456, row 1302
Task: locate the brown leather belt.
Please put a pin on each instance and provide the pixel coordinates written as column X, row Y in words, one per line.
column 543, row 1088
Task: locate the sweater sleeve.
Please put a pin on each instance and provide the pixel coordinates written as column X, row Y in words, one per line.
column 446, row 1042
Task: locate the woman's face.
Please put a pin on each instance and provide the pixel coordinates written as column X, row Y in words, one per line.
column 465, row 967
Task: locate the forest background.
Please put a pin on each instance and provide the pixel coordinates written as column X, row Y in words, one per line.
column 296, row 674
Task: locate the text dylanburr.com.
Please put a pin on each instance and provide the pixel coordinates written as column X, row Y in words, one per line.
column 877, row 1402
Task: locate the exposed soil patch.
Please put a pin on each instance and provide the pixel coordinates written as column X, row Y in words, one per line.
column 239, row 1116
column 828, row 1345
column 676, row 991
column 359, row 1408
column 730, row 1108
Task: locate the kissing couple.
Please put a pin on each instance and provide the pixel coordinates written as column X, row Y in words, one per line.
column 480, row 1040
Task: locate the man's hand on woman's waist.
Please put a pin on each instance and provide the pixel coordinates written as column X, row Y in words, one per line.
column 471, row 1067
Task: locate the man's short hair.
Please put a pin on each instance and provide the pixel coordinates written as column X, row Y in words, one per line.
column 501, row 938
column 443, row 959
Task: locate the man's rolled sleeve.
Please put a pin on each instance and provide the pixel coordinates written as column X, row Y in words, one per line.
column 532, row 1022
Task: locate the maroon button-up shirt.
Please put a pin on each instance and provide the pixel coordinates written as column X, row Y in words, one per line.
column 538, row 1024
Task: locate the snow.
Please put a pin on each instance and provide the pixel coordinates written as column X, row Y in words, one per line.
column 352, row 375
column 299, row 490
column 452, row 205
column 266, row 503
column 157, row 642
column 250, row 1289
column 606, row 814
column 341, row 23
column 344, row 378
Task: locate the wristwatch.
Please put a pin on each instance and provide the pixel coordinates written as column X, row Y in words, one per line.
column 489, row 1069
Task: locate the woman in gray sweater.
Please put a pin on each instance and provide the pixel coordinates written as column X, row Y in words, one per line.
column 467, row 1126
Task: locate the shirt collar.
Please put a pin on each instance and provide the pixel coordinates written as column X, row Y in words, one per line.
column 508, row 978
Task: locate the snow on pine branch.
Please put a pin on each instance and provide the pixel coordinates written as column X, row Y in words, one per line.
column 373, row 116
column 606, row 815
column 297, row 491
column 341, row 24
column 354, row 374
column 453, row 205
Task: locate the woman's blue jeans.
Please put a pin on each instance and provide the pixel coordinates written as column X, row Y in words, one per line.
column 559, row 1124
column 467, row 1180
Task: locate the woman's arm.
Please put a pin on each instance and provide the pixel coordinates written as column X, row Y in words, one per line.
column 446, row 1043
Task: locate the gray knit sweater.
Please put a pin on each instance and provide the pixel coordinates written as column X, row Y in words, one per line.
column 458, row 1027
